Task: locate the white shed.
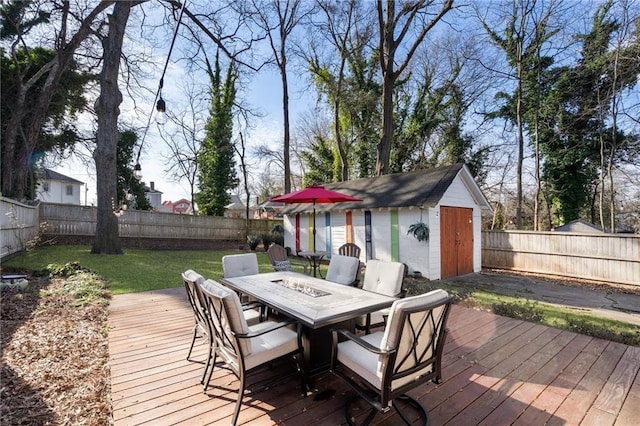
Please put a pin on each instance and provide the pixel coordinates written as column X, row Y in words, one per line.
column 447, row 199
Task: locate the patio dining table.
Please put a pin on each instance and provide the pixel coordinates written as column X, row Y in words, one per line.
column 314, row 258
column 317, row 304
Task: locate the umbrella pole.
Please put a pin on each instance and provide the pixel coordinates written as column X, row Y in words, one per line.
column 314, row 226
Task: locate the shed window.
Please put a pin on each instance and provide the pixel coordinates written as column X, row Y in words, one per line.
column 69, row 189
column 45, row 186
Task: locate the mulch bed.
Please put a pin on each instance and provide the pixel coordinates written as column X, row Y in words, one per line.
column 54, row 365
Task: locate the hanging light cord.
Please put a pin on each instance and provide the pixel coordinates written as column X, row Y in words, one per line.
column 159, row 92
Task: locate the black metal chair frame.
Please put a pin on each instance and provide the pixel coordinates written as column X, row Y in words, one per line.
column 394, row 368
column 228, row 342
column 191, row 288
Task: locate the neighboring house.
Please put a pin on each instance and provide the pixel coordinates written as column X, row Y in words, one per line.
column 446, row 198
column 54, row 187
column 236, row 208
column 579, row 226
column 267, row 210
column 153, row 195
column 182, row 206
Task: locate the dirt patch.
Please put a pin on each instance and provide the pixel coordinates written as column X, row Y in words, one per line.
column 54, row 365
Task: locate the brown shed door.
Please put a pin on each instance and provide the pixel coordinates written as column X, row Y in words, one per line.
column 456, row 241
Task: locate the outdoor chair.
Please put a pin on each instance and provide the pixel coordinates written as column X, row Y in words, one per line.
column 381, row 367
column 349, row 249
column 238, row 265
column 343, row 270
column 243, row 349
column 384, row 278
column 193, row 284
column 280, row 259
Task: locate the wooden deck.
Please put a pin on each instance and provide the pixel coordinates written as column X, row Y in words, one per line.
column 497, row 371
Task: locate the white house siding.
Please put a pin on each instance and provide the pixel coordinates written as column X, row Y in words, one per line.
column 57, row 192
column 380, row 234
column 338, row 229
column 357, row 221
column 413, row 253
column 457, row 195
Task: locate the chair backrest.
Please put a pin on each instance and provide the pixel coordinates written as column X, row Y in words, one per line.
column 277, row 253
column 349, row 249
column 227, row 319
column 279, row 258
column 416, row 329
column 343, row 269
column 192, row 281
column 238, row 265
column 383, row 277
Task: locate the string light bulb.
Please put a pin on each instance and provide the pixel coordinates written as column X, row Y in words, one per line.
column 161, row 108
column 137, row 171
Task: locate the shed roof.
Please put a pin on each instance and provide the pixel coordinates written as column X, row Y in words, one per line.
column 419, row 188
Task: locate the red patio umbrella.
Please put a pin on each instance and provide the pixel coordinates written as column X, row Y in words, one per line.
column 314, row 194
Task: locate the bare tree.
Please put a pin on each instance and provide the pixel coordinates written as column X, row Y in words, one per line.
column 184, row 143
column 395, row 23
column 107, row 240
column 277, row 19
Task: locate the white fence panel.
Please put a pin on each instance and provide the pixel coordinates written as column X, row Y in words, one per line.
column 601, row 257
column 19, row 224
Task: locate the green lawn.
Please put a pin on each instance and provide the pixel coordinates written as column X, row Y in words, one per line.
column 136, row 270
column 143, row 270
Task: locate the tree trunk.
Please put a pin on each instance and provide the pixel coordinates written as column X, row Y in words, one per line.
column 107, row 240
column 285, row 112
column 384, row 146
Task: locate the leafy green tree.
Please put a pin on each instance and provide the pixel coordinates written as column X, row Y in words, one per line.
column 216, row 164
column 127, row 183
column 574, row 110
column 319, row 160
column 32, row 84
column 59, row 132
column 525, row 32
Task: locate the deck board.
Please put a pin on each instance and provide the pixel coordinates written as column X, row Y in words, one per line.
column 497, row 370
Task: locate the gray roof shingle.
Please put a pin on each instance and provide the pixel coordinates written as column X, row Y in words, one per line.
column 412, row 189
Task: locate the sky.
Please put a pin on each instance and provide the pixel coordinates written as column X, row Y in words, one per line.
column 263, row 93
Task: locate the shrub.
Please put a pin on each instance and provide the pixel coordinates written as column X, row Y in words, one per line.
column 526, row 312
column 278, row 239
column 253, row 241
column 267, row 239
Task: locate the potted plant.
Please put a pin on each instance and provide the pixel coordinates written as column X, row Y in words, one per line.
column 420, row 230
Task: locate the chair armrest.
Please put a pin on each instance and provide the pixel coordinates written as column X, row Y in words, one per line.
column 251, row 305
column 366, row 345
column 264, row 331
column 303, row 265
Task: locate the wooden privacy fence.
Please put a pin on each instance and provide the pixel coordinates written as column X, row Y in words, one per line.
column 73, row 220
column 612, row 258
column 19, row 224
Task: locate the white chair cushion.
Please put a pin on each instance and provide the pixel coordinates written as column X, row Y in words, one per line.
column 342, row 269
column 369, row 365
column 193, row 276
column 395, row 336
column 360, row 360
column 239, row 265
column 233, row 308
column 383, row 277
column 270, row 345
